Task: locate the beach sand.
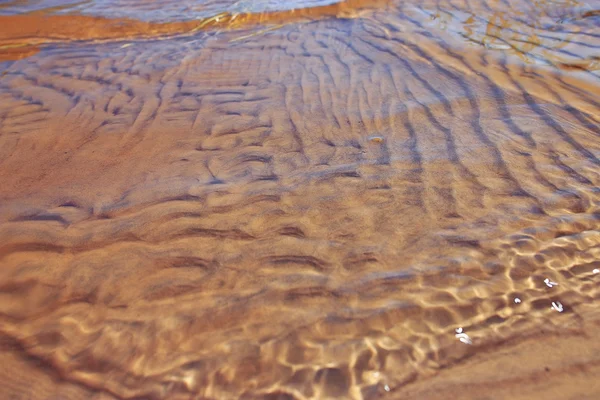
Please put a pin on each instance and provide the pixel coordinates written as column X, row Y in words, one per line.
column 359, row 200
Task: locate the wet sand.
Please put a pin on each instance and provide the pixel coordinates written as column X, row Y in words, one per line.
column 362, row 200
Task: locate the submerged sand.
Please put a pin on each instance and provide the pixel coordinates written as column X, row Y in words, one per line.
column 360, row 200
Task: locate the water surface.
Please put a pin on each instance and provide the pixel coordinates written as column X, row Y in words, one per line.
column 299, row 200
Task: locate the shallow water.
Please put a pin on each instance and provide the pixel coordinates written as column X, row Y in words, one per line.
column 361, row 200
column 149, row 10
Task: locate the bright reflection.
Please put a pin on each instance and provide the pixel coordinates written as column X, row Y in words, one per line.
column 463, row 337
column 549, row 283
column 556, row 305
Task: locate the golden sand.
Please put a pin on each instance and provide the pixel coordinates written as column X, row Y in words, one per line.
column 393, row 200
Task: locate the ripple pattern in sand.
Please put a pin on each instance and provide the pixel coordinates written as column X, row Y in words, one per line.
column 342, row 208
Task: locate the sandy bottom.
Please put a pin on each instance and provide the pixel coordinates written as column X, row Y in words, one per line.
column 362, row 200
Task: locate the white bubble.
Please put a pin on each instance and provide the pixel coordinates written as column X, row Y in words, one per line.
column 458, row 330
column 517, row 300
column 387, row 388
column 596, row 271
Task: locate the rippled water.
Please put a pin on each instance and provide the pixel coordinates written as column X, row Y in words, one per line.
column 150, row 10
column 299, row 199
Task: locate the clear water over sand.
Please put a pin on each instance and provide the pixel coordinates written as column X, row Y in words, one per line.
column 359, row 200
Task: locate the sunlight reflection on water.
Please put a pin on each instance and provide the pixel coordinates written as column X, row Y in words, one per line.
column 148, row 10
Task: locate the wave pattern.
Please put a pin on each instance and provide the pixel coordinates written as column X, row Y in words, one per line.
column 346, row 208
column 164, row 10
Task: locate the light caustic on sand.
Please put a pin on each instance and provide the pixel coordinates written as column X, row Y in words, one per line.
column 365, row 200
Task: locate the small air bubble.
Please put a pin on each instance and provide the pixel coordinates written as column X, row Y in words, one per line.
column 596, row 271
column 458, row 330
column 387, row 388
column 517, row 300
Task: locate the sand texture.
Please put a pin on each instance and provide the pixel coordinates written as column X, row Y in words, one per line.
column 365, row 200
